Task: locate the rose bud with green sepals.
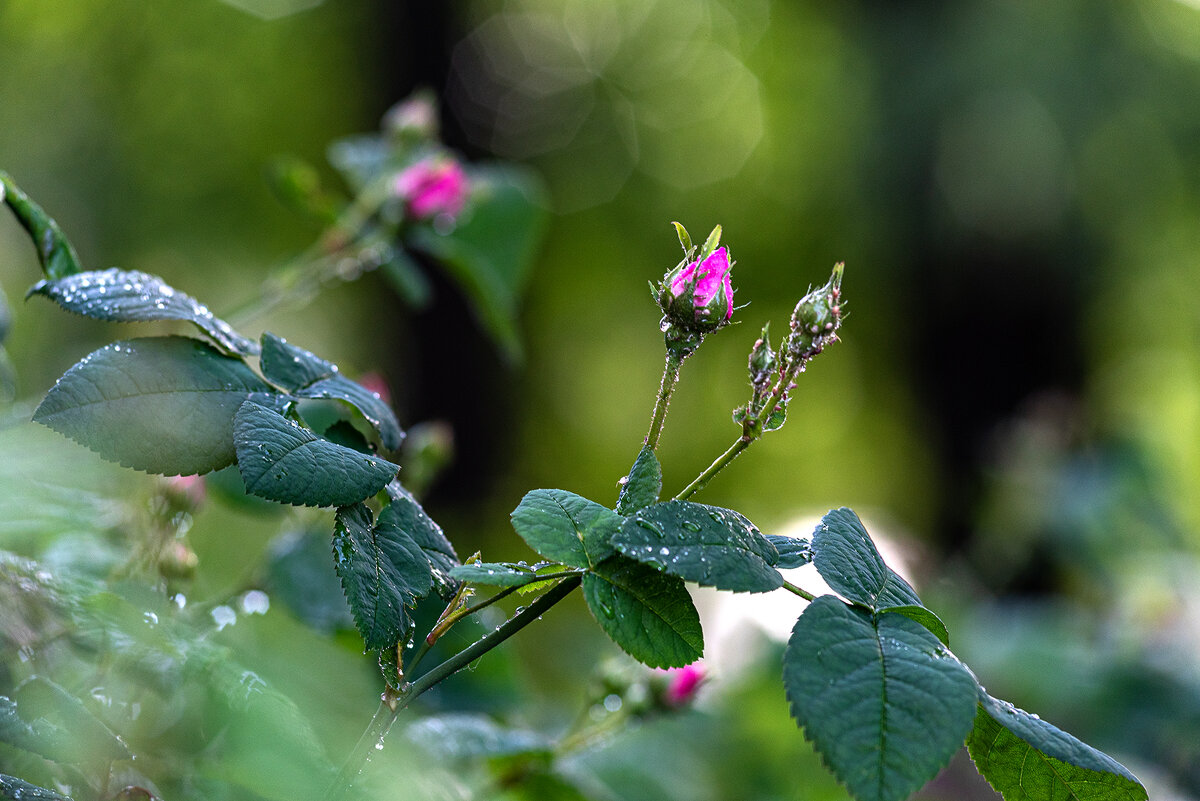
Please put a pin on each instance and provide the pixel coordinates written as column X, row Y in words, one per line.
column 697, row 296
column 815, row 321
column 763, row 362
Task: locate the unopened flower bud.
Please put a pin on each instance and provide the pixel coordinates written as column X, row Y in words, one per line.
column 697, row 296
column 762, row 359
column 677, row 687
column 433, row 188
column 414, row 118
column 816, row 319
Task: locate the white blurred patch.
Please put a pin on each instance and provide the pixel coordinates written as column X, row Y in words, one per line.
column 735, row 623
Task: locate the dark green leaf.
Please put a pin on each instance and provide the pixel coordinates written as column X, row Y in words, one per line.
column 792, row 552
column 16, row 790
column 161, row 404
column 291, row 367
column 372, row 407
column 1027, row 759
column 127, row 296
column 490, row 252
column 283, row 461
column 850, row 564
column 39, row 697
column 711, row 546
column 383, row 571
column 649, row 614
column 408, row 517
column 565, row 527
column 923, row 616
column 57, row 256
column 496, row 574
column 884, row 703
column 643, row 484
column 309, row 376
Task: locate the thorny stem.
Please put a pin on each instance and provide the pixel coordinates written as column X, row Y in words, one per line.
column 372, row 738
column 670, row 378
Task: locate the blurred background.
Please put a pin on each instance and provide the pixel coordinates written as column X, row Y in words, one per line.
column 1015, row 405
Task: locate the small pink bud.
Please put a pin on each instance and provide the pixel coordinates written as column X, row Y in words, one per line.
column 433, row 187
column 713, row 288
column 683, row 684
column 189, row 490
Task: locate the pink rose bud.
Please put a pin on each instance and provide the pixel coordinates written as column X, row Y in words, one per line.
column 187, row 491
column 699, row 295
column 432, row 188
column 683, row 684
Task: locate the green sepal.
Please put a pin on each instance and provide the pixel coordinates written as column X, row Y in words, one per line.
column 710, row 244
column 685, row 239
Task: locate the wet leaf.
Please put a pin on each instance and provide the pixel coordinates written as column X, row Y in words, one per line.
column 54, row 251
column 649, row 614
column 849, row 562
column 565, row 527
column 161, row 404
column 1027, row 759
column 884, row 703
column 711, row 546
column 282, row 461
column 642, row 485
column 383, row 571
column 129, row 296
column 792, row 552
column 309, row 376
column 17, row 790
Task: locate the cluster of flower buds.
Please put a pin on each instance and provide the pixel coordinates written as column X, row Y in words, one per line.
column 696, row 297
column 814, row 325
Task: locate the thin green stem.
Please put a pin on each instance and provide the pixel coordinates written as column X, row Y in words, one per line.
column 372, row 739
column 719, row 464
column 670, row 378
column 805, row 594
column 449, row 620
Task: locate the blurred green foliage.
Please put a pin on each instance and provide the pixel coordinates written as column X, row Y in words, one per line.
column 1013, row 186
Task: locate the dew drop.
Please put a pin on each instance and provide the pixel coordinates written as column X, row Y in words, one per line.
column 690, row 526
